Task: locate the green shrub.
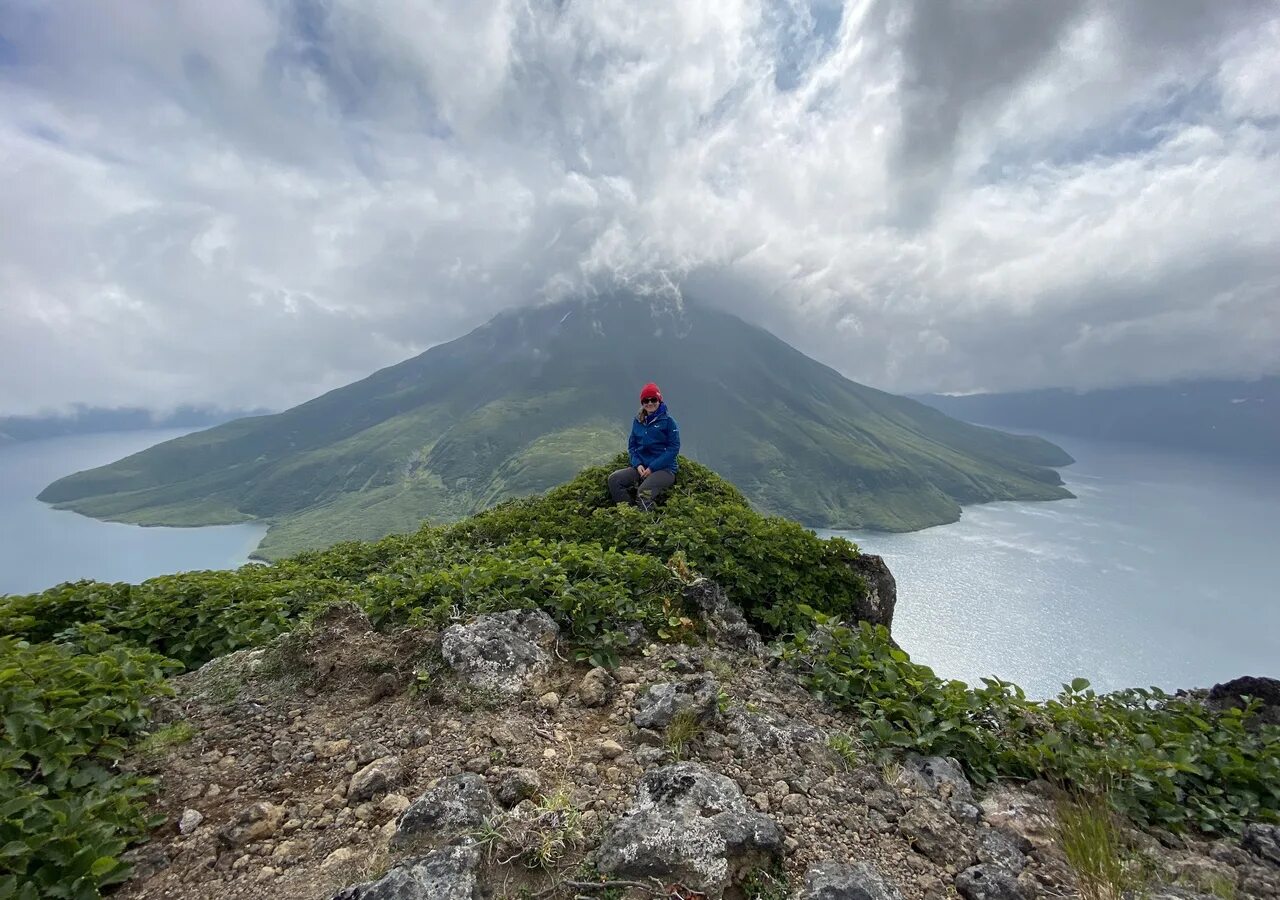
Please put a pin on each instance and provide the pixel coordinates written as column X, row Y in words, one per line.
column 1168, row 761
column 769, row 566
column 69, row 713
column 192, row 617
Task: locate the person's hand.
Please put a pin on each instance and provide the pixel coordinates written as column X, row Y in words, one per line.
column 644, row 471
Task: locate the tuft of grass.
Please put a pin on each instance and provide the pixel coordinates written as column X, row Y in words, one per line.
column 681, row 730
column 843, row 745
column 719, row 668
column 170, row 736
column 539, row 839
column 1092, row 842
column 772, row 883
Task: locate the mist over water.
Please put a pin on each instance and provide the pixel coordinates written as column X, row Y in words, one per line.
column 1165, row 571
column 41, row 546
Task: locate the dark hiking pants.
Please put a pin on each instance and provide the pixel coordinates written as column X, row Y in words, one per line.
column 651, row 487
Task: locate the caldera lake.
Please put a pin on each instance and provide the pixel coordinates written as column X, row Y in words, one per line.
column 1164, row 571
column 41, row 546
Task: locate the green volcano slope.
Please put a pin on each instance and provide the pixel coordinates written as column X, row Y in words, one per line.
column 525, row 401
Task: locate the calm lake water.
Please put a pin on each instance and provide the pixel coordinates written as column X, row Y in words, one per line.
column 1164, row 572
column 41, row 546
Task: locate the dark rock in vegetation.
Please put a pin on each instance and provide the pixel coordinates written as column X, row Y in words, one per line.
column 659, row 705
column 877, row 605
column 445, row 874
column 830, row 880
column 1231, row 694
column 727, row 626
column 501, row 651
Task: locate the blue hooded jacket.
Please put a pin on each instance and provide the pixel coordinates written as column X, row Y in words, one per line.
column 655, row 440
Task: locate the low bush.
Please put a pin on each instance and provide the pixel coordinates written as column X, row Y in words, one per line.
column 1166, row 760
column 66, row 812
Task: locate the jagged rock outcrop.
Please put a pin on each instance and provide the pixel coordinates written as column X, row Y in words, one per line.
column 881, row 597
column 1231, row 695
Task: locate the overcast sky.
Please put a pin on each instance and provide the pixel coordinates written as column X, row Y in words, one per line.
column 246, row 202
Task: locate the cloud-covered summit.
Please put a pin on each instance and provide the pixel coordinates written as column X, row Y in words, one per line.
column 248, row 202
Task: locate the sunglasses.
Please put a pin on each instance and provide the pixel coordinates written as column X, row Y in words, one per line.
column 649, row 400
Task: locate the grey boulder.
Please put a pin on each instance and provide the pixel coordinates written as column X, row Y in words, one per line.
column 690, row 826
column 501, row 651
column 454, row 804
column 445, row 874
column 1262, row 840
column 988, row 882
column 656, row 707
column 831, row 880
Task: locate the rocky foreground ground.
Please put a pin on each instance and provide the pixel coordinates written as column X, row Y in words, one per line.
column 340, row 762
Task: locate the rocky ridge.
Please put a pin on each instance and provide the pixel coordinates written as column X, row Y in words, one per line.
column 339, row 762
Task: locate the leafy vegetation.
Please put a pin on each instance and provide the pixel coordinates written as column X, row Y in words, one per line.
column 489, row 417
column 69, row 714
column 1166, row 760
column 79, row 661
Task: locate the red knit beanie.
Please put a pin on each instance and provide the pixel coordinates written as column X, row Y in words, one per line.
column 650, row 390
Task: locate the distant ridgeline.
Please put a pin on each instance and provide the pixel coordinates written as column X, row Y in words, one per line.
column 524, row 402
column 93, row 419
column 1239, row 419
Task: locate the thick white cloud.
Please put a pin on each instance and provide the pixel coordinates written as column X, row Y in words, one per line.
column 248, row 202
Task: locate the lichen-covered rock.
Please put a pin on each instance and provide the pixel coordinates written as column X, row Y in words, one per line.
column 1021, row 812
column 934, row 834
column 1002, row 850
column 1262, row 840
column 831, row 880
column 677, row 847
column 658, row 706
column 454, row 804
column 501, row 651
column 445, row 874
column 378, row 777
column 689, row 787
column 988, row 882
column 940, row 776
column 692, row 826
column 515, row 785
